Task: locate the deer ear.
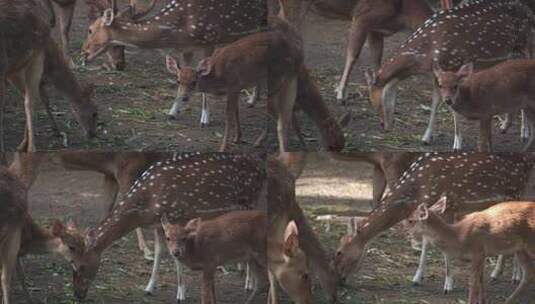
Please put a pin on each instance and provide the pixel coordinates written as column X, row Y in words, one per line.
column 58, row 230
column 440, row 206
column 371, row 77
column 108, row 16
column 194, row 224
column 291, row 239
column 165, row 220
column 172, row 65
column 437, row 69
column 422, row 213
column 466, row 70
column 205, row 67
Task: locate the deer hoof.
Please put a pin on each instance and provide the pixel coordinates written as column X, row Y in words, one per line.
column 415, row 283
column 172, row 117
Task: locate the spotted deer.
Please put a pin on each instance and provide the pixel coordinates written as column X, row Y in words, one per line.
column 450, row 39
column 187, row 186
column 471, row 181
column 505, row 228
column 293, row 277
column 484, row 94
column 205, row 244
column 30, row 52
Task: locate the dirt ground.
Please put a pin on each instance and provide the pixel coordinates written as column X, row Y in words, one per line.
column 124, row 272
column 133, row 105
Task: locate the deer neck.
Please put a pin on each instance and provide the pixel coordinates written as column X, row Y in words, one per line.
column 124, row 218
column 39, row 241
column 26, row 166
column 58, row 71
column 440, row 233
column 402, row 66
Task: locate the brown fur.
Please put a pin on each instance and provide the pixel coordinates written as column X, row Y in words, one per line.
column 505, row 228
column 484, row 94
column 205, row 245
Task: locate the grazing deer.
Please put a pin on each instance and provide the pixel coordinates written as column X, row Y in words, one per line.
column 471, row 181
column 451, row 39
column 482, row 95
column 274, row 56
column 19, row 234
column 179, row 25
column 30, row 52
column 505, row 228
column 232, row 237
column 288, row 267
column 187, row 186
column 387, row 168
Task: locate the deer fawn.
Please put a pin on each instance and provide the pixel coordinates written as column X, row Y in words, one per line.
column 204, row 245
column 484, row 94
column 274, row 56
column 450, row 39
column 472, row 181
column 505, row 228
column 187, row 186
column 30, row 52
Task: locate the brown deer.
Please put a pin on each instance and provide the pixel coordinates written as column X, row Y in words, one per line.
column 451, row 39
column 471, row 181
column 232, row 237
column 31, row 51
column 273, row 56
column 187, row 186
column 282, row 209
column 19, row 234
column 371, row 22
column 505, row 228
column 484, row 94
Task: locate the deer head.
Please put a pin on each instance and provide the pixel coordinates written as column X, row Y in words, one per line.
column 350, row 252
column 84, row 262
column 86, row 112
column 179, row 238
column 187, row 77
column 293, row 275
column 382, row 99
column 450, row 83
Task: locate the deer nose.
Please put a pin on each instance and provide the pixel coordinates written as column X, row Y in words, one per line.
column 176, row 252
column 448, row 100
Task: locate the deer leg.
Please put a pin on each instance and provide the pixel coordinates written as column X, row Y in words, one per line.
column 272, row 296
column 530, row 116
column 237, row 126
column 32, row 83
column 376, row 43
column 205, row 111
column 448, row 278
column 524, row 127
column 498, row 268
column 516, row 273
column 528, row 273
column 428, row 135
column 153, row 282
column 65, row 20
column 476, row 292
column 230, row 110
column 260, row 281
column 181, row 284
column 458, row 138
column 379, row 186
column 248, row 282
column 485, row 134
column 8, row 259
column 358, row 33
column 419, row 275
column 286, row 102
column 46, row 102
column 208, row 286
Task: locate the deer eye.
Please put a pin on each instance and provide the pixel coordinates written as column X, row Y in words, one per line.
column 90, row 31
column 72, row 248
